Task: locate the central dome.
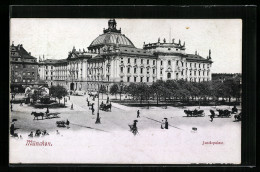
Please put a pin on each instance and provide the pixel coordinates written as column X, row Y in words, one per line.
column 111, row 36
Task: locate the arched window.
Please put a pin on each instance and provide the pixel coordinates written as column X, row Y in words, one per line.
column 169, row 75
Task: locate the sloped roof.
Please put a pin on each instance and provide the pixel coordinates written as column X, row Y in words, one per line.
column 22, row 52
column 195, row 57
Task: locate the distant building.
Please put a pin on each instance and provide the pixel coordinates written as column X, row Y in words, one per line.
column 113, row 58
column 24, row 68
column 224, row 76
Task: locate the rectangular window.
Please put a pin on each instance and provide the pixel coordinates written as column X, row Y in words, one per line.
column 147, row 79
column 51, row 73
column 153, row 71
column 135, row 79
column 135, row 61
column 134, row 70
column 51, row 67
column 128, row 79
column 141, row 79
column 121, row 79
column 195, row 73
column 122, row 69
column 147, row 61
column 128, row 70
column 194, row 64
column 190, row 64
column 161, row 72
column 141, row 61
column 199, row 73
column 161, row 62
column 46, row 67
column 46, row 78
column 122, row 60
column 153, row 62
column 46, row 73
column 153, row 79
column 141, row 70
column 128, row 60
column 51, row 78
column 147, row 71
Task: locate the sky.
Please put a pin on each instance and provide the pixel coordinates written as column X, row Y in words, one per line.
column 56, row 37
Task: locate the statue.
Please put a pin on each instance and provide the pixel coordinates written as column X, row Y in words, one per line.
column 158, row 40
column 164, row 40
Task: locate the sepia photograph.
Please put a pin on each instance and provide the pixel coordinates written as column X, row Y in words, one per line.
column 125, row 91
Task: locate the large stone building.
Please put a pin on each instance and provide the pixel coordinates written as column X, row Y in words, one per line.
column 113, row 58
column 24, row 68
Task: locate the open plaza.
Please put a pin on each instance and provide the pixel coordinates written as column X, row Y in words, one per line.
column 112, row 142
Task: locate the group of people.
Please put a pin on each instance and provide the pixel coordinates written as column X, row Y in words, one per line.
column 38, row 133
column 164, row 123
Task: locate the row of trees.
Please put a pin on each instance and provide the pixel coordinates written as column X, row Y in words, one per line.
column 182, row 90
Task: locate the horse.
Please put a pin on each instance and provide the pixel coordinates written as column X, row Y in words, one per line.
column 37, row 115
column 188, row 112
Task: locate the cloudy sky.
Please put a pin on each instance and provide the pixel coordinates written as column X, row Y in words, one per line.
column 56, row 37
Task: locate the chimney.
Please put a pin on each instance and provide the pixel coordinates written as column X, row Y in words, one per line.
column 173, row 40
column 158, row 40
column 29, row 53
column 196, row 52
column 21, row 45
column 209, row 54
column 18, row 46
column 12, row 43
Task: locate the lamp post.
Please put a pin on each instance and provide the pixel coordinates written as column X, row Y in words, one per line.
column 98, row 119
column 121, row 84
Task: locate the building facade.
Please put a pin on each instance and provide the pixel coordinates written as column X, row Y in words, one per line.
column 24, row 68
column 113, row 58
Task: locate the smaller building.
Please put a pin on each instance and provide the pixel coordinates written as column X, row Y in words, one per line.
column 224, row 76
column 24, row 68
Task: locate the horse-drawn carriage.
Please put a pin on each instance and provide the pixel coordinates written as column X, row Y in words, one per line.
column 194, row 113
column 47, row 115
column 61, row 123
column 221, row 113
column 51, row 115
column 105, row 107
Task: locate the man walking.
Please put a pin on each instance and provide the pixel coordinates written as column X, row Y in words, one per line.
column 166, row 123
column 138, row 114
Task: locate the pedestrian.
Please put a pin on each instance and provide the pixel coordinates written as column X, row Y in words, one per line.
column 71, row 106
column 31, row 134
column 93, row 110
column 47, row 111
column 11, row 107
column 166, row 123
column 57, row 132
column 67, row 122
column 12, row 129
column 107, row 99
column 138, row 114
column 211, row 117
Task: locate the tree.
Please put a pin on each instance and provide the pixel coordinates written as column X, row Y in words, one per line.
column 58, row 92
column 114, row 89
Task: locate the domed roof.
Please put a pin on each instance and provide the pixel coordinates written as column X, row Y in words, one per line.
column 112, row 38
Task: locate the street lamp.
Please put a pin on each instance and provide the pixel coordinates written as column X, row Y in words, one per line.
column 98, row 119
column 121, row 84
